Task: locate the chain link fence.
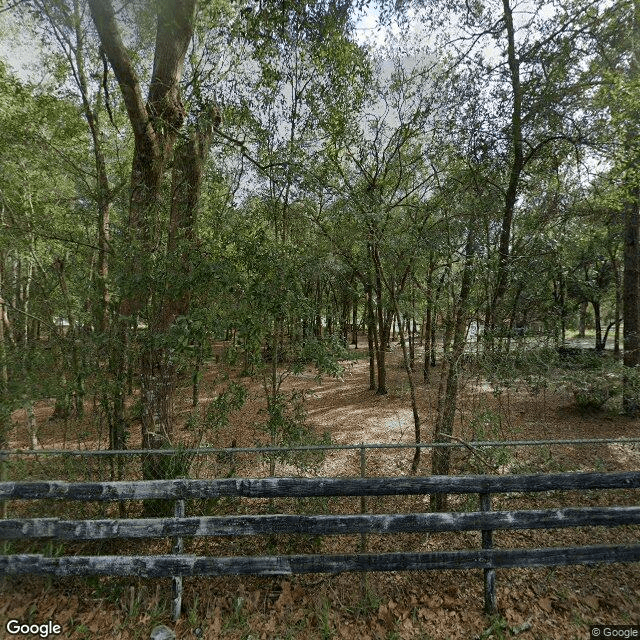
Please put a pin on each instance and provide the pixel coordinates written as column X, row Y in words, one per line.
column 367, row 459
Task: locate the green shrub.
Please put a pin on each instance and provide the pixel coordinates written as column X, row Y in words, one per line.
column 486, row 425
column 287, row 425
column 532, row 366
column 593, row 391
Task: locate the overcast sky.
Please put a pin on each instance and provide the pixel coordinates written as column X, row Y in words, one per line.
column 21, row 52
column 18, row 49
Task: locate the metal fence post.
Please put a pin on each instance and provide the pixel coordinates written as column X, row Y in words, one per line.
column 176, row 581
column 489, row 573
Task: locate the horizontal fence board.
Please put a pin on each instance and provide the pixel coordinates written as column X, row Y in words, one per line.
column 163, row 566
column 315, row 524
column 309, row 487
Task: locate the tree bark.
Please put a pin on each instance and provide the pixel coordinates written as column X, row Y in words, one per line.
column 412, row 387
column 188, row 167
column 371, row 342
column 618, row 305
column 383, row 332
column 631, row 307
column 103, row 192
column 317, row 326
column 155, row 126
column 426, row 365
column 517, row 164
column 451, row 373
column 32, row 426
column 354, row 321
column 411, row 332
column 598, row 322
column 5, row 411
column 72, row 342
column 631, row 276
column 582, row 326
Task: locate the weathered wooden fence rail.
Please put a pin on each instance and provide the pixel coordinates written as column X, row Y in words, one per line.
column 178, row 564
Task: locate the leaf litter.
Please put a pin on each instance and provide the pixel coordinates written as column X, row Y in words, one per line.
column 548, row 603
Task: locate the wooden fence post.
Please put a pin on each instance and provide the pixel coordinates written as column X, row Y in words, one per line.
column 363, row 500
column 363, row 510
column 176, row 582
column 490, row 573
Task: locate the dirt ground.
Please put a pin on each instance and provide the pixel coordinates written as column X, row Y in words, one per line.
column 550, row 603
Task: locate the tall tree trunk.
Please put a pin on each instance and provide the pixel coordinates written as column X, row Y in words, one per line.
column 344, row 316
column 412, row 387
column 32, row 426
column 103, row 192
column 4, row 317
column 26, row 301
column 448, row 399
column 426, row 365
column 383, row 330
column 617, row 311
column 159, row 373
column 354, row 321
column 606, row 334
column 4, row 368
column 5, row 410
column 631, row 308
column 155, row 123
column 430, row 337
column 411, row 331
column 371, row 342
column 517, row 165
column 272, row 395
column 615, row 266
column 317, row 328
column 582, row 326
column 563, row 309
column 631, row 277
column 188, row 166
column 432, row 348
column 71, row 339
column 598, row 322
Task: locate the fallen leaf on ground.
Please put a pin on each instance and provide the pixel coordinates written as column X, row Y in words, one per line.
column 285, row 599
column 545, row 604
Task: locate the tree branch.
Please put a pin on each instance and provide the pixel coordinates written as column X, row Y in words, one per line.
column 105, row 21
column 244, row 152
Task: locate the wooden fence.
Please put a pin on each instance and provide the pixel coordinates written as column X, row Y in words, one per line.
column 178, row 564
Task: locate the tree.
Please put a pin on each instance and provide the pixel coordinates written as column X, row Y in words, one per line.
column 160, row 143
column 631, row 281
column 616, row 62
column 520, row 105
